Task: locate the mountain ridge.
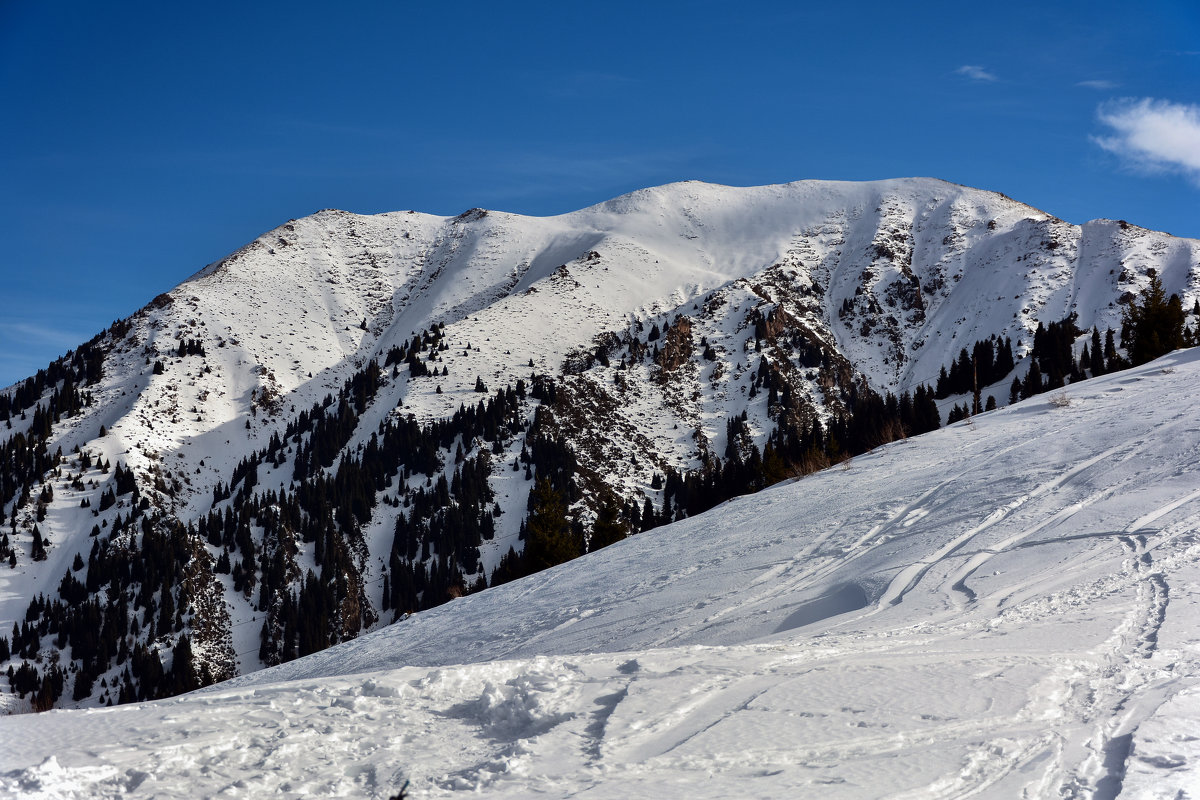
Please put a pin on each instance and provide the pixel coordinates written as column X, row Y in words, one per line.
column 737, row 315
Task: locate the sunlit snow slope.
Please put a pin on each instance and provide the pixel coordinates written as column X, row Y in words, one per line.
column 1003, row 608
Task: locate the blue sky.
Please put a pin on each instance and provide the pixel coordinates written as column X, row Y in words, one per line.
column 142, row 140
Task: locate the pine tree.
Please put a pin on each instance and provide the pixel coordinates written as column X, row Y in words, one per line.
column 183, row 668
column 926, row 416
column 649, row 518
column 1004, row 363
column 1097, row 355
column 1112, row 361
column 39, row 548
column 1154, row 327
column 1033, row 381
column 83, row 685
column 608, row 527
column 549, row 540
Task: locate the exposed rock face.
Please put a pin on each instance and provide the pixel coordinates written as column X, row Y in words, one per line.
column 677, row 345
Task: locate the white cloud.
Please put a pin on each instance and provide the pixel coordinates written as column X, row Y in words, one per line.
column 1151, row 134
column 1098, row 84
column 975, row 73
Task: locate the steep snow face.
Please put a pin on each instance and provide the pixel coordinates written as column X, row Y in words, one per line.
column 887, row 280
column 898, row 276
column 966, row 263
column 935, row 266
column 1003, row 608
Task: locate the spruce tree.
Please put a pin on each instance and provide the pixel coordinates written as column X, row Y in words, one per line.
column 1097, row 355
column 548, row 538
column 1112, row 361
column 608, row 527
column 183, row 668
column 39, row 548
column 1154, row 327
column 926, row 416
column 649, row 518
column 1033, row 381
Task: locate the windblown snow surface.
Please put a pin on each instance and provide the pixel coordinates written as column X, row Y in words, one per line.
column 1003, row 608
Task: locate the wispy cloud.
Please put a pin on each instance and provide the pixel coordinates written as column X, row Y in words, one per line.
column 976, row 73
column 33, row 335
column 1153, row 135
column 26, row 347
column 1098, row 84
column 15, row 368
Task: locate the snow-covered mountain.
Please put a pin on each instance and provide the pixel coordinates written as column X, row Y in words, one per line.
column 1002, row 608
column 342, row 422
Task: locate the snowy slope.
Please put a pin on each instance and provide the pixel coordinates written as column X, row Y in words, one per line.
column 892, row 278
column 289, row 305
column 1003, row 608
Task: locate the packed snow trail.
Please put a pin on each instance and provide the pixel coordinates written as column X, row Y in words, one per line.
column 1000, row 609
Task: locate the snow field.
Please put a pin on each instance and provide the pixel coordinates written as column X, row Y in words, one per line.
column 1000, row 609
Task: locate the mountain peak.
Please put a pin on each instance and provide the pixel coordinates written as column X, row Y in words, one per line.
column 395, row 385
